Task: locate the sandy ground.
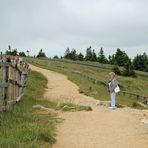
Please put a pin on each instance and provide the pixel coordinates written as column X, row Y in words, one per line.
column 100, row 128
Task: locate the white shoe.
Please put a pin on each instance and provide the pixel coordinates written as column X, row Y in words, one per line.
column 112, row 107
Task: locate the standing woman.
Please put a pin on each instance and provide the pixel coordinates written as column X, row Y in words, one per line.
column 112, row 84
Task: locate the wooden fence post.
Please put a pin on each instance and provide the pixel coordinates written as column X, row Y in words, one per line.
column 17, row 82
column 10, row 89
column 5, row 66
column 23, row 79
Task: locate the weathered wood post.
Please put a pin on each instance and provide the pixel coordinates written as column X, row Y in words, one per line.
column 13, row 78
column 19, row 82
column 5, row 84
column 23, row 79
column 10, row 89
column 16, row 82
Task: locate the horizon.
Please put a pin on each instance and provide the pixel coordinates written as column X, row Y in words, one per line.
column 78, row 51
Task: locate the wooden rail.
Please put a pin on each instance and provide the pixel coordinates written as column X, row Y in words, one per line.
column 13, row 83
column 135, row 94
column 104, row 83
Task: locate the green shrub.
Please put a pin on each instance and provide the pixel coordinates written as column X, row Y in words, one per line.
column 116, row 70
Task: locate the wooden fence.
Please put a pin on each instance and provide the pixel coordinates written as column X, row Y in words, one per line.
column 12, row 84
column 121, row 86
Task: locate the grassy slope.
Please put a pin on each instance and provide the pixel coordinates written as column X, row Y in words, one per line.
column 22, row 126
column 137, row 85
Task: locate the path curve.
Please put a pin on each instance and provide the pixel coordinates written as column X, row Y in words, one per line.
column 100, row 128
column 61, row 90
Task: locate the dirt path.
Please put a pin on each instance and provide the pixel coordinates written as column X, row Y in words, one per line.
column 100, row 128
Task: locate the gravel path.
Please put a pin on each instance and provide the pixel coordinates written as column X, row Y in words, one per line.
column 100, row 128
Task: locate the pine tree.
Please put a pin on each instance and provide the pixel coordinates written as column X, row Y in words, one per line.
column 129, row 69
column 67, row 54
column 88, row 56
column 73, row 54
column 101, row 57
column 56, row 57
column 80, row 56
column 94, row 56
column 11, row 52
column 140, row 62
column 112, row 59
column 41, row 54
column 116, row 70
column 121, row 57
column 22, row 54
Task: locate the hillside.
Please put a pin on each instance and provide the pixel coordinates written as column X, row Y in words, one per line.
column 79, row 74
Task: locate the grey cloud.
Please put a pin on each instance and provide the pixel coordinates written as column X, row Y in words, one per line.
column 56, row 24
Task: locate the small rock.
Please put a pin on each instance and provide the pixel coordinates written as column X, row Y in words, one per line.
column 40, row 107
column 142, row 104
column 94, row 93
column 104, row 103
column 76, row 71
column 144, row 121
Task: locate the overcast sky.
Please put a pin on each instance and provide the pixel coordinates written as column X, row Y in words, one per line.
column 54, row 25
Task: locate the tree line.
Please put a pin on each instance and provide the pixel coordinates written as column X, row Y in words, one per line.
column 120, row 58
column 14, row 52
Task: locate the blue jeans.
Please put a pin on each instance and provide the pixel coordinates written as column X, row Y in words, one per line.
column 113, row 99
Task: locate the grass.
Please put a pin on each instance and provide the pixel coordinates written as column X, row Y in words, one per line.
column 22, row 127
column 88, row 87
